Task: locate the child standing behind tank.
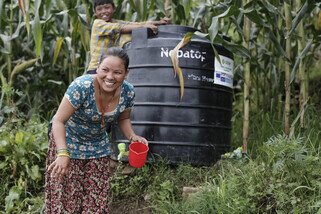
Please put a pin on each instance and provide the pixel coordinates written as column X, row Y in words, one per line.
column 107, row 32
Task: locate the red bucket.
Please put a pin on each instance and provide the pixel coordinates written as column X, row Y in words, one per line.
column 137, row 154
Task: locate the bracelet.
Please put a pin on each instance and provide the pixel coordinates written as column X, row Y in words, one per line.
column 63, row 155
column 62, row 149
column 63, row 152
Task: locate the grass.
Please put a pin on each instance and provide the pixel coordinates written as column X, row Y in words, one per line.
column 280, row 175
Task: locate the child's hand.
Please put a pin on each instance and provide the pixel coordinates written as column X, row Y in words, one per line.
column 165, row 21
column 152, row 26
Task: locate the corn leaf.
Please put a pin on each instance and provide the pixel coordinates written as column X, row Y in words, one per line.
column 299, row 59
column 1, row 11
column 199, row 15
column 27, row 18
column 213, row 29
column 305, row 10
column 135, row 7
column 187, row 38
column 57, row 49
column 37, row 34
column 21, row 67
column 22, row 7
column 37, row 30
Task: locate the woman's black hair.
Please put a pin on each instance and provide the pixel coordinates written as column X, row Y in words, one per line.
column 102, row 2
column 117, row 52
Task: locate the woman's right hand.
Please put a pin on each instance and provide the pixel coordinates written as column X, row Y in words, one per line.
column 59, row 167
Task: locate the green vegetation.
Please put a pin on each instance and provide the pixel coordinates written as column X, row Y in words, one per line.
column 282, row 175
column 23, row 148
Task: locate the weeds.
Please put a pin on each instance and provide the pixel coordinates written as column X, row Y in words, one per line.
column 23, row 147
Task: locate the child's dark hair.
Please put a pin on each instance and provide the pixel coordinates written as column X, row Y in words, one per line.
column 117, row 52
column 101, row 2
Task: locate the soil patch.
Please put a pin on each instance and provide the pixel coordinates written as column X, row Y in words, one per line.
column 130, row 206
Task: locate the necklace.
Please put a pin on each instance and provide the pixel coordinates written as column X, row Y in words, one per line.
column 100, row 102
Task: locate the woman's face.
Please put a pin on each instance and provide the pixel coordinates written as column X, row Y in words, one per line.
column 105, row 12
column 111, row 73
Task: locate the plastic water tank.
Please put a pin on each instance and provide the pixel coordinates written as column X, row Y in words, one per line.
column 197, row 128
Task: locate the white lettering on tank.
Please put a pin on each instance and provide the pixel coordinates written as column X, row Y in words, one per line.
column 188, row 54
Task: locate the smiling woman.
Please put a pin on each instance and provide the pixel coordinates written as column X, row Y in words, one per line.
column 77, row 175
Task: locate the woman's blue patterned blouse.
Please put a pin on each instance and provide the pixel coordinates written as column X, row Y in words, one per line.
column 86, row 136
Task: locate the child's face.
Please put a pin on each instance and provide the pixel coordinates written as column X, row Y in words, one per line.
column 105, row 12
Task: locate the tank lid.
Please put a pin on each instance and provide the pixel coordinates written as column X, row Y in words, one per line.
column 176, row 29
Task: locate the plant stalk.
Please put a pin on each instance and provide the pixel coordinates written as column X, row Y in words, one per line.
column 302, row 71
column 247, row 84
column 287, row 67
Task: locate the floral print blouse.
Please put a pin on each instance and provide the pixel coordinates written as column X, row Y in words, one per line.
column 86, row 136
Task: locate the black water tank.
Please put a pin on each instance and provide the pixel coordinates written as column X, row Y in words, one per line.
column 196, row 129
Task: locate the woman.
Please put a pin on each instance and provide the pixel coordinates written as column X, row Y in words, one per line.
column 77, row 176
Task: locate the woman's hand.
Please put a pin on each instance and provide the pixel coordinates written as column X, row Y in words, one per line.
column 59, row 167
column 135, row 138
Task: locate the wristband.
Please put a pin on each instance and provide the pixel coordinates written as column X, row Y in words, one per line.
column 63, row 155
column 63, row 152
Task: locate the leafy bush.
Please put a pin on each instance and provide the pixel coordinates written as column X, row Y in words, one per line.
column 23, row 147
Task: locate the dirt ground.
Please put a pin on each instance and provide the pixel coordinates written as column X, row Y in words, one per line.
column 130, row 206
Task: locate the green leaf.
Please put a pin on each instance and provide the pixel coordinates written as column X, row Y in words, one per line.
column 3, row 146
column 1, row 12
column 135, row 7
column 35, row 172
column 254, row 16
column 277, row 44
column 37, row 34
column 299, row 58
column 37, row 6
column 20, row 68
column 160, row 6
column 187, row 7
column 200, row 34
column 270, row 7
column 180, row 12
column 144, row 10
column 305, row 9
column 234, row 48
column 3, row 165
column 14, row 194
column 19, row 137
column 213, row 29
column 199, row 14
